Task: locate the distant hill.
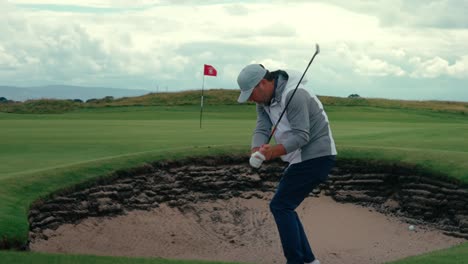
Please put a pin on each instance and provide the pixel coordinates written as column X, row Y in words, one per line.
column 212, row 97
column 65, row 92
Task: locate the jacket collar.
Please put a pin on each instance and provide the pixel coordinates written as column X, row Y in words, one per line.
column 280, row 85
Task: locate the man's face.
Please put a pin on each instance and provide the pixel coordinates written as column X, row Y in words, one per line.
column 261, row 94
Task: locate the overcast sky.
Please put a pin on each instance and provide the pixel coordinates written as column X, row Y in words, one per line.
column 389, row 48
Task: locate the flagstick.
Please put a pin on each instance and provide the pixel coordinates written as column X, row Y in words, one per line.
column 201, row 102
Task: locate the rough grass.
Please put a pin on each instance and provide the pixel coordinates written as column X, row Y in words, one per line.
column 438, row 106
column 40, row 106
column 214, row 97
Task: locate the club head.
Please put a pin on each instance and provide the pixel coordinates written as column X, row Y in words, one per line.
column 317, row 49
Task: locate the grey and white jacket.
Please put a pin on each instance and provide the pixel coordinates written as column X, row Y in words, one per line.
column 304, row 130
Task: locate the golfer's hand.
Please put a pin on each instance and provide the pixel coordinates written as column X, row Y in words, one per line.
column 252, row 151
column 271, row 152
column 256, row 159
column 267, row 151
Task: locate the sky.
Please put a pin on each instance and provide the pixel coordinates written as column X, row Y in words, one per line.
column 396, row 49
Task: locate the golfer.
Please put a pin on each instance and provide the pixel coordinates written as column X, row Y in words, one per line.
column 303, row 139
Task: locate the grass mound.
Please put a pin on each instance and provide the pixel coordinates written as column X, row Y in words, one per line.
column 212, row 97
column 40, row 106
column 439, row 106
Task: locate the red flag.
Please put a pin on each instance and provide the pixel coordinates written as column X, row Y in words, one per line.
column 209, row 70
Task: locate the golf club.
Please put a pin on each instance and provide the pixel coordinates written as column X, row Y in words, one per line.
column 317, row 50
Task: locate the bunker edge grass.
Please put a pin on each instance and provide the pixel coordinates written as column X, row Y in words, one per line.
column 41, row 258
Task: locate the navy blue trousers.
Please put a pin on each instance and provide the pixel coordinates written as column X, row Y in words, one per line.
column 297, row 182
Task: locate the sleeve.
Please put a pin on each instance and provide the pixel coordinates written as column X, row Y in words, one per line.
column 263, row 128
column 299, row 120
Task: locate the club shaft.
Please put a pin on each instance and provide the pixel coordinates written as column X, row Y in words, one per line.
column 290, row 98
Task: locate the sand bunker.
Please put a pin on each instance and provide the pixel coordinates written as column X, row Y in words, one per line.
column 219, row 211
column 244, row 230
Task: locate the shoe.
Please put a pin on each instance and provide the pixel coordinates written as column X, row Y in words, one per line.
column 313, row 262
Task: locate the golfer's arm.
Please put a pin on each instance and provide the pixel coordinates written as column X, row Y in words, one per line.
column 262, row 130
column 298, row 117
column 253, row 150
column 277, row 151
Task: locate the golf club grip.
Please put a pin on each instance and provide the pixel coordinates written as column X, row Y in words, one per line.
column 290, row 98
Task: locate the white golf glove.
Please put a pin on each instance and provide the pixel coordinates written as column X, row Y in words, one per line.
column 256, row 159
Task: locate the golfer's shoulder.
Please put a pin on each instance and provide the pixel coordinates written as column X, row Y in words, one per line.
column 299, row 99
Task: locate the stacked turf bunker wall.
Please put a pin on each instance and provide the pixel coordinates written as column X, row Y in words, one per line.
column 389, row 188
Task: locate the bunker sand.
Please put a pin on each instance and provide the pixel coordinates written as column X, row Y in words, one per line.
column 243, row 230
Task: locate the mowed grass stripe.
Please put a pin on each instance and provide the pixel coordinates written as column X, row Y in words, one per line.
column 34, row 171
column 427, row 161
column 81, row 139
column 52, row 143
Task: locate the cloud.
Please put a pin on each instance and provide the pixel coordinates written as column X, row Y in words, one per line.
column 169, row 41
column 371, row 61
column 437, row 14
column 52, row 50
column 278, row 30
column 435, row 67
column 399, row 53
column 376, row 67
column 237, row 10
column 91, row 4
column 7, row 61
column 415, row 13
column 460, row 68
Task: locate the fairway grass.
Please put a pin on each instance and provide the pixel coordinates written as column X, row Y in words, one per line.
column 40, row 258
column 454, row 255
column 41, row 154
